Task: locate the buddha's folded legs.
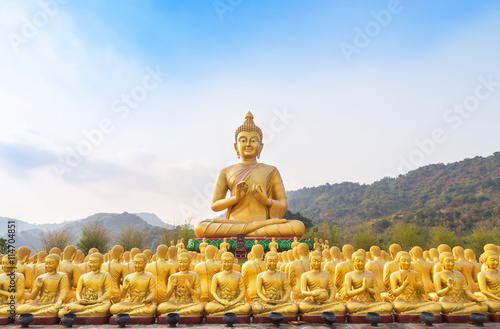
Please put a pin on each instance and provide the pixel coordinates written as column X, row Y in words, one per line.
column 211, row 229
column 493, row 305
column 99, row 309
column 40, row 310
column 357, row 308
column 192, row 309
column 308, row 307
column 133, row 309
column 215, row 309
column 464, row 308
column 5, row 311
column 263, row 309
column 403, row 307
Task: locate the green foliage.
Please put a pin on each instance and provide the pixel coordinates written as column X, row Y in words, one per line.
column 178, row 232
column 131, row 237
column 56, row 238
column 95, row 235
column 443, row 235
column 406, row 235
column 297, row 216
column 482, row 236
column 3, row 246
column 364, row 238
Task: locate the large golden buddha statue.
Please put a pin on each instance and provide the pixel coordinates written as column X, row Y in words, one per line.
column 257, row 201
column 489, row 281
column 11, row 287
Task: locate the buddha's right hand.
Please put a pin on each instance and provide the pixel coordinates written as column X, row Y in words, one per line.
column 241, row 190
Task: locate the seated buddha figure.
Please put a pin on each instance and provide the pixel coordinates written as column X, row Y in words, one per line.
column 452, row 290
column 49, row 291
column 362, row 289
column 257, row 201
column 141, row 289
column 408, row 288
column 489, row 281
column 318, row 289
column 183, row 291
column 273, row 290
column 228, row 291
column 93, row 291
column 7, row 294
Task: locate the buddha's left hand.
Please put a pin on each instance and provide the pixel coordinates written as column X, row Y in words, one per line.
column 260, row 195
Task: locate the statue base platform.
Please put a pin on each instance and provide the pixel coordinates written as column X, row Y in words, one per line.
column 456, row 318
column 83, row 320
column 43, row 321
column 413, row 318
column 317, row 318
column 494, row 317
column 136, row 320
column 218, row 319
column 184, row 319
column 265, row 319
column 4, row 321
column 362, row 319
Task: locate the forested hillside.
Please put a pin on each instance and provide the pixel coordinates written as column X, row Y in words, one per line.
column 461, row 196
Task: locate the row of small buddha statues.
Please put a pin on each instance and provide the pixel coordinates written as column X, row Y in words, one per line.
column 441, row 280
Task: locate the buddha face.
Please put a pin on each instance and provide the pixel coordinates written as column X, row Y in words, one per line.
column 316, row 263
column 271, row 263
column 51, row 265
column 8, row 265
column 492, row 262
column 139, row 264
column 227, row 263
column 184, row 262
column 359, row 262
column 248, row 145
column 405, row 262
column 448, row 263
column 95, row 264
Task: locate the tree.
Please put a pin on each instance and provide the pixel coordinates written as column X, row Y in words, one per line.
column 298, row 216
column 443, row 235
column 482, row 236
column 406, row 235
column 56, row 238
column 95, row 235
column 4, row 248
column 131, row 237
column 364, row 238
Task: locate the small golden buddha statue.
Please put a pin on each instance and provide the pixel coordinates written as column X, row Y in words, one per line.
column 162, row 270
column 148, row 253
column 332, row 264
column 10, row 290
column 273, row 245
column 408, row 288
column 423, row 267
column 93, row 291
column 70, row 269
column 141, row 289
column 318, row 290
column 470, row 256
column 391, row 267
column 206, row 270
column 451, row 287
column 224, row 246
column 258, row 200
column 284, row 262
column 228, row 291
column 295, row 242
column 55, row 251
column 459, row 254
column 295, row 271
column 273, row 290
column 49, row 292
column 489, row 281
column 180, row 245
column 172, row 257
column 134, row 251
column 202, row 246
column 361, row 287
column 342, row 269
column 326, row 257
column 317, row 245
column 376, row 266
column 118, row 272
column 251, row 269
column 23, row 254
column 326, row 246
column 183, row 293
column 39, row 267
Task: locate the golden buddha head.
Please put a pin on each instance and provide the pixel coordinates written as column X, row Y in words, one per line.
column 404, row 260
column 227, row 261
column 375, row 251
column 51, row 263
column 95, row 261
column 210, row 252
column 347, row 251
column 172, row 252
column 69, row 252
column 248, row 139
column 117, row 252
column 315, row 260
column 257, row 251
column 23, row 254
column 490, row 258
column 302, row 249
column 184, row 261
column 394, row 249
column 161, row 251
column 271, row 260
column 9, row 263
column 491, row 247
column 447, row 260
column 41, row 256
column 470, row 255
column 140, row 262
column 335, row 252
column 358, row 260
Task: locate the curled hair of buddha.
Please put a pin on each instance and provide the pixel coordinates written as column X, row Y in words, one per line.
column 141, row 255
column 271, row 254
column 358, row 254
column 401, row 254
column 484, row 257
column 445, row 254
column 249, row 126
column 97, row 255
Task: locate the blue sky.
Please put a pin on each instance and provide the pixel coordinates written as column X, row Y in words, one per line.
column 389, row 107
